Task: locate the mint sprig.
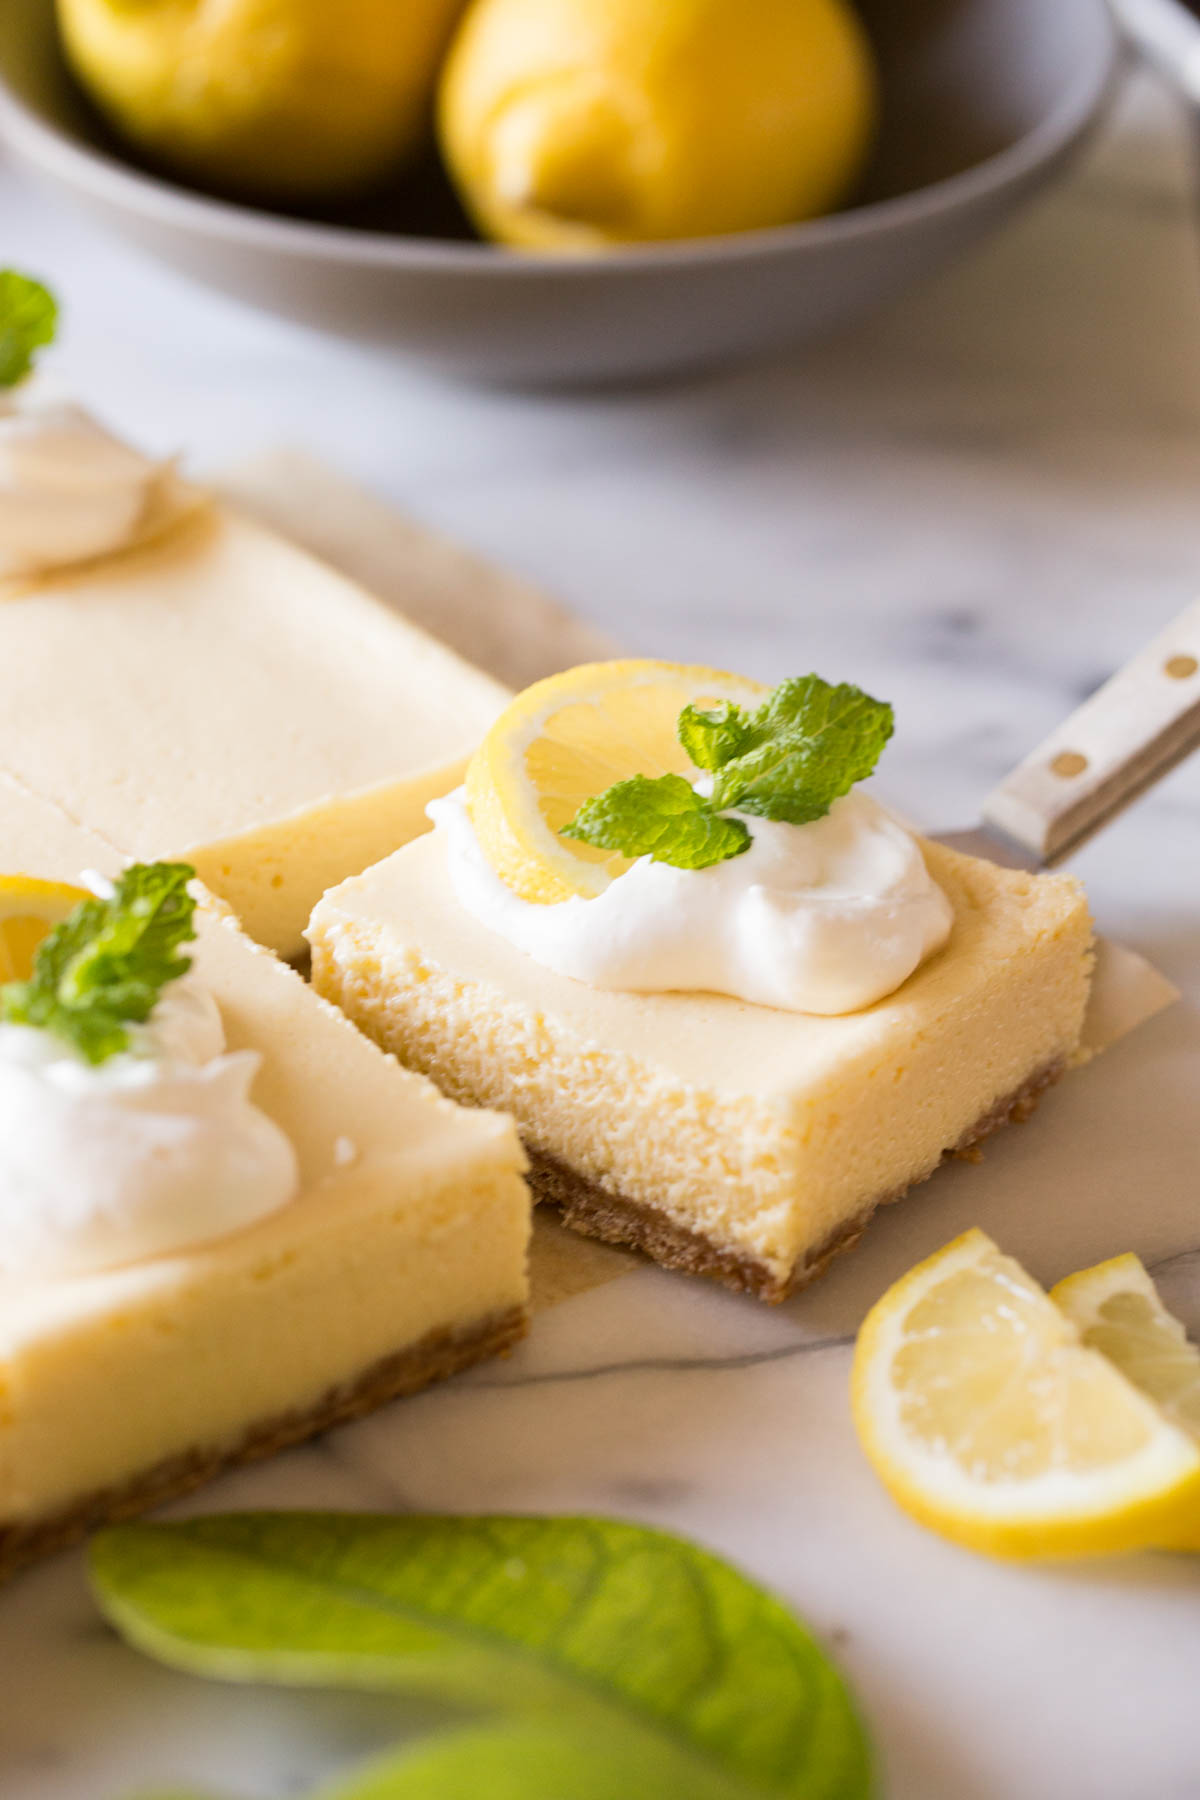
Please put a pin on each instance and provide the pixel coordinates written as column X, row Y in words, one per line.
column 662, row 817
column 808, row 743
column 28, row 322
column 615, row 1662
column 103, row 969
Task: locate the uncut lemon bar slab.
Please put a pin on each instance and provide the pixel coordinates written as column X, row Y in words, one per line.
column 726, row 1139
column 222, row 696
column 401, row 1260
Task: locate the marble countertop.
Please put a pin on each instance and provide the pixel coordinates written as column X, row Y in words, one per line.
column 975, row 504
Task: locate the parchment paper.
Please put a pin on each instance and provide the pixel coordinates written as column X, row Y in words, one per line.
column 518, row 634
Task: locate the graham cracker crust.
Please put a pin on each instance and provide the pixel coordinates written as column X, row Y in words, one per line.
column 594, row 1211
column 439, row 1354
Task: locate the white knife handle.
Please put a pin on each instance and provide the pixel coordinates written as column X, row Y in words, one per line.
column 1132, row 731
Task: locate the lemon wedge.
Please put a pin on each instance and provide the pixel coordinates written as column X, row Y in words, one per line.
column 990, row 1420
column 1117, row 1310
column 29, row 910
column 568, row 738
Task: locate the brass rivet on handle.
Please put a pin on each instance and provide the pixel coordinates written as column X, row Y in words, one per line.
column 1180, row 667
column 1068, row 763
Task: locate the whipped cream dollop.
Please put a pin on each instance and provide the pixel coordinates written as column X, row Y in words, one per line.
column 158, row 1149
column 69, row 490
column 820, row 918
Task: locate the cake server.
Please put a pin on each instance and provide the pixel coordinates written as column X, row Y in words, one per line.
column 1125, row 737
column 1140, row 724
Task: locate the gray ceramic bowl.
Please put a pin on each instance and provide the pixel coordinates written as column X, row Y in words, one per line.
column 982, row 100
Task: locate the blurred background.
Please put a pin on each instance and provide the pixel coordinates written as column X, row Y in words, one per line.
column 556, row 190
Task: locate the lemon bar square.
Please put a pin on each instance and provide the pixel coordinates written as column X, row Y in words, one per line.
column 402, row 1259
column 224, row 697
column 726, row 1139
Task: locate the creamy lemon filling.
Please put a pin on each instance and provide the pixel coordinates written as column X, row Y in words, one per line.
column 826, row 917
column 153, row 1151
column 69, row 490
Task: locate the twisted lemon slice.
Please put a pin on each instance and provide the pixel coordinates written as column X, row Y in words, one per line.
column 570, row 737
column 988, row 1418
column 1117, row 1310
column 29, row 910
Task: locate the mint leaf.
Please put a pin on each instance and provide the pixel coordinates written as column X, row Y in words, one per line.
column 28, row 320
column 629, row 1636
column 105, row 966
column 802, row 749
column 661, row 816
column 807, row 745
column 711, row 737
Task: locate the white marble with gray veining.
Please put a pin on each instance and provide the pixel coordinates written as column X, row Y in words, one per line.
column 976, row 504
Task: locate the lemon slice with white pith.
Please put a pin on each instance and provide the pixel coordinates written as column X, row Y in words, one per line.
column 568, row 738
column 990, row 1420
column 29, row 911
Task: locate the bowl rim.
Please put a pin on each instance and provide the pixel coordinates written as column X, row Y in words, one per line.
column 109, row 179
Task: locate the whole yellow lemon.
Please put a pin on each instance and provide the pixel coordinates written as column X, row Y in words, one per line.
column 283, row 99
column 573, row 125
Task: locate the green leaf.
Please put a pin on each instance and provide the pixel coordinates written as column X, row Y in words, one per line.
column 519, row 1759
column 712, row 737
column 105, row 966
column 661, row 1651
column 526, row 1760
column 28, row 320
column 807, row 745
column 662, row 817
